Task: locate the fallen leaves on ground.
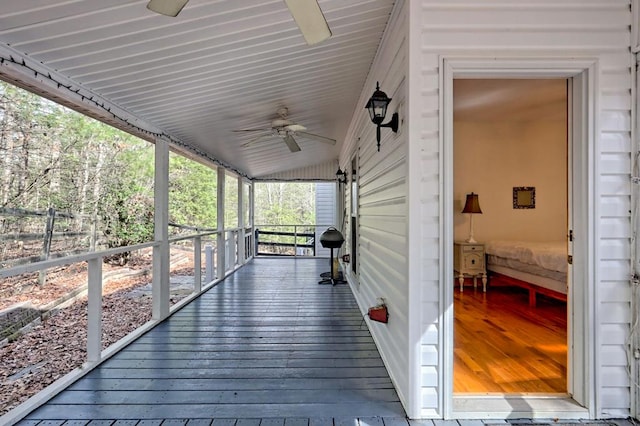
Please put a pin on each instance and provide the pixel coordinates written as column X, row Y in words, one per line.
column 57, row 345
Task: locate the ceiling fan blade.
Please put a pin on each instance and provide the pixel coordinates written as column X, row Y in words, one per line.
column 291, row 143
column 167, row 7
column 249, row 130
column 310, row 20
column 319, row 138
column 256, row 139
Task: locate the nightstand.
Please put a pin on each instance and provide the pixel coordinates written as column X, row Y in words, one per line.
column 468, row 259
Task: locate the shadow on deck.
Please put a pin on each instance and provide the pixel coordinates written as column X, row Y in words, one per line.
column 266, row 343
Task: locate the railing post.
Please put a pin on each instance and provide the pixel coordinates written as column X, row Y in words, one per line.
column 209, row 273
column 46, row 246
column 197, row 265
column 241, row 249
column 94, row 233
column 94, row 310
column 237, row 254
column 295, row 240
column 227, row 257
column 256, row 241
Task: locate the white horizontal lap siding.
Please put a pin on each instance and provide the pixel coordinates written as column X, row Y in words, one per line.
column 325, row 213
column 538, row 29
column 315, row 172
column 382, row 205
column 614, row 268
column 383, row 254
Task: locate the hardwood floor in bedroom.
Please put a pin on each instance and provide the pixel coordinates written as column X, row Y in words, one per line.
column 502, row 345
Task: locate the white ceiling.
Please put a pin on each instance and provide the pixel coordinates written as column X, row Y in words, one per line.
column 220, row 65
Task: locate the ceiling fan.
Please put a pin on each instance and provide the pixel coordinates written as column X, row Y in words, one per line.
column 306, row 13
column 286, row 129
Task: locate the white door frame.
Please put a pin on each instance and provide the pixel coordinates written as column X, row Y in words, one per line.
column 583, row 119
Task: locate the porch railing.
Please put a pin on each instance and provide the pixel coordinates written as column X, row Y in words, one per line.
column 237, row 250
column 289, row 240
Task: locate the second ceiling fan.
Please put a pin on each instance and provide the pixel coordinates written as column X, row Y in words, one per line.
column 286, row 129
column 306, row 13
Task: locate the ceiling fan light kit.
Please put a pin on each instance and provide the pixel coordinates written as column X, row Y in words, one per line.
column 310, row 20
column 167, row 7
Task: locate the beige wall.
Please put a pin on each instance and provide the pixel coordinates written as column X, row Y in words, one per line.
column 492, row 157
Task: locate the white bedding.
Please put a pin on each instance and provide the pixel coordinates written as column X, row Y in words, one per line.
column 548, row 255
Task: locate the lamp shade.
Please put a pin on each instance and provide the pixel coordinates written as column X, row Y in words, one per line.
column 472, row 205
column 377, row 105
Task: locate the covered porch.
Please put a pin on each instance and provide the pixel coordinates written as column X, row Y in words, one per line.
column 267, row 342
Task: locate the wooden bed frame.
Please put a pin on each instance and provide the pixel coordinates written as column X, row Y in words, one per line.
column 532, row 288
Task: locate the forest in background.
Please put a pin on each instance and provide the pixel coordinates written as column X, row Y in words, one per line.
column 54, row 157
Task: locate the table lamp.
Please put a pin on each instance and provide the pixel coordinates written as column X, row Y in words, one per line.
column 471, row 206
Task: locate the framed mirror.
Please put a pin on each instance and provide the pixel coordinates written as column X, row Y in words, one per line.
column 524, row 197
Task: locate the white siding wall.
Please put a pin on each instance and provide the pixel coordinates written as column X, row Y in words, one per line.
column 325, row 213
column 382, row 205
column 317, row 172
column 535, row 28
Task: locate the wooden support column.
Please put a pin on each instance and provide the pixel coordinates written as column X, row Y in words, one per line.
column 160, row 284
column 197, row 265
column 94, row 310
column 254, row 249
column 220, row 251
column 241, row 223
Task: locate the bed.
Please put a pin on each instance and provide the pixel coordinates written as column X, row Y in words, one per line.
column 539, row 267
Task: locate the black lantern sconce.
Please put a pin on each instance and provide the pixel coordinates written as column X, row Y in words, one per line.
column 341, row 176
column 377, row 107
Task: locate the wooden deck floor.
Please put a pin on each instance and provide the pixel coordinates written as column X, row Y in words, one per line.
column 267, row 343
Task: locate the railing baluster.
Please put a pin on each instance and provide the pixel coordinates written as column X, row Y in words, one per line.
column 94, row 310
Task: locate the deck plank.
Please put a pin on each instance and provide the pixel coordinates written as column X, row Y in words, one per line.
column 205, row 384
column 359, row 396
column 266, row 347
column 215, row 410
column 247, row 422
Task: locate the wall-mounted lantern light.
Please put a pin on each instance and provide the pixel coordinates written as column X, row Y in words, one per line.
column 377, row 107
column 341, row 176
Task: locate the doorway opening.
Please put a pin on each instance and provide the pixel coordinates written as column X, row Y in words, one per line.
column 581, row 87
column 511, row 162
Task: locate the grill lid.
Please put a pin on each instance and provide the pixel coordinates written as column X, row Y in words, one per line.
column 331, row 238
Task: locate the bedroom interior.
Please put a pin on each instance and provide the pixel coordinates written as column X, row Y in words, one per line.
column 510, row 155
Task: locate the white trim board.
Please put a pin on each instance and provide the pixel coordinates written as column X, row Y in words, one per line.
column 585, row 193
column 518, row 407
